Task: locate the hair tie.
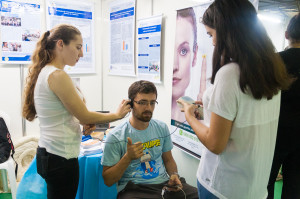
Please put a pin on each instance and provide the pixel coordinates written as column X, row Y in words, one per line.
column 47, row 33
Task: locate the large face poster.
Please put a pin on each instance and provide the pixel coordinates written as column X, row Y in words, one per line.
column 192, row 70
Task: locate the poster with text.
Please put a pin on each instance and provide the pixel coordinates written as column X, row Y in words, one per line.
column 81, row 15
column 20, row 30
column 122, row 31
column 148, row 53
column 192, row 69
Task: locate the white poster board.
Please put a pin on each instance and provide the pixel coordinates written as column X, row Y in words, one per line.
column 20, row 30
column 192, row 70
column 81, row 15
column 122, row 32
column 149, row 44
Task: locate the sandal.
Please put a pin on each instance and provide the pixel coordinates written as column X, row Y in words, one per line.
column 279, row 177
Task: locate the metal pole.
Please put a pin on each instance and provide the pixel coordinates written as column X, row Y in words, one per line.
column 22, row 87
column 151, row 7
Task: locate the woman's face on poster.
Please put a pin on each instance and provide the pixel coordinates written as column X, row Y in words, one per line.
column 184, row 56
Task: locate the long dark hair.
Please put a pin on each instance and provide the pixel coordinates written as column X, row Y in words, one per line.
column 241, row 38
column 43, row 55
column 293, row 29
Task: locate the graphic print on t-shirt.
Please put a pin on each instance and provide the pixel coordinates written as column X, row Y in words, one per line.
column 148, row 168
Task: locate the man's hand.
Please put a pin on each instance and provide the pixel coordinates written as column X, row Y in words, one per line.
column 88, row 128
column 174, row 181
column 134, row 151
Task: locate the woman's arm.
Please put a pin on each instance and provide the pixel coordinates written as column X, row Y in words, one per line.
column 215, row 137
column 61, row 84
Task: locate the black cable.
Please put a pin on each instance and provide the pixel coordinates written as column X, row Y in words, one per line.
column 146, row 141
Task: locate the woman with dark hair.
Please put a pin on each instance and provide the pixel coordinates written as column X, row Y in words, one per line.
column 51, row 96
column 242, row 106
column 287, row 149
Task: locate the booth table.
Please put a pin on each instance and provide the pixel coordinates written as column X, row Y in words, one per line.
column 91, row 184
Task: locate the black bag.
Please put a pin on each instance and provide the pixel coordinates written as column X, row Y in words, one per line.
column 6, row 145
column 42, row 158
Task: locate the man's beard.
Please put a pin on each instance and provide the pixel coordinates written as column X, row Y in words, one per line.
column 144, row 118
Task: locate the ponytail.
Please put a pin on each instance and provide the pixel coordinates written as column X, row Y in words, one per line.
column 40, row 58
column 43, row 55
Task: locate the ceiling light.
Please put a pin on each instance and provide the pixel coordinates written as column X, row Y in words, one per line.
column 269, row 18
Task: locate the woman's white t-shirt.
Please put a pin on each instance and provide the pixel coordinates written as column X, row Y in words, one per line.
column 60, row 132
column 242, row 170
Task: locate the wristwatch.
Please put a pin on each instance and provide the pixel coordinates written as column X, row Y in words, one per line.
column 175, row 173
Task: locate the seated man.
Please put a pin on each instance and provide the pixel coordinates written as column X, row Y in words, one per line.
column 138, row 155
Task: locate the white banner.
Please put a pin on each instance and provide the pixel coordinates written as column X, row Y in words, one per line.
column 122, row 31
column 81, row 15
column 20, row 30
column 149, row 44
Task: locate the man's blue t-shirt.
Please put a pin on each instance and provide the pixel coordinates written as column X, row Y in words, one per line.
column 149, row 169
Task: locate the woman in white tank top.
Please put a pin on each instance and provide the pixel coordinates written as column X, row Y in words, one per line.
column 51, row 96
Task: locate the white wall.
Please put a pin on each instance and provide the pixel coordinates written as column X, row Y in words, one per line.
column 276, row 32
column 10, row 97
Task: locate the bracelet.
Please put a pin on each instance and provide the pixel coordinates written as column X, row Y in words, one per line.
column 175, row 173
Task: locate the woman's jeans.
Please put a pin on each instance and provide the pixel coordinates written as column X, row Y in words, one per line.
column 60, row 174
column 204, row 193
